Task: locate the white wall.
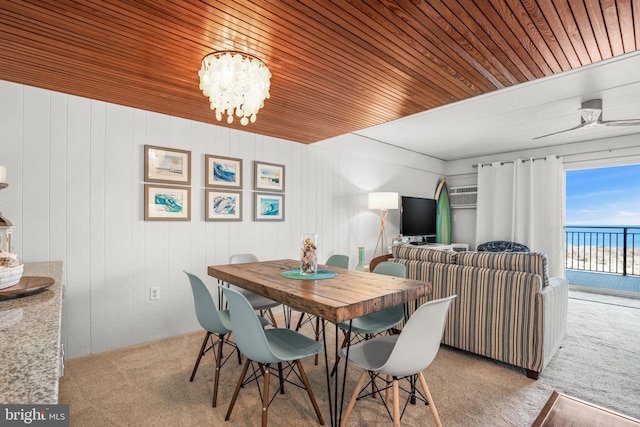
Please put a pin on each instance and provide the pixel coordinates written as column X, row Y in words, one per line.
column 75, row 172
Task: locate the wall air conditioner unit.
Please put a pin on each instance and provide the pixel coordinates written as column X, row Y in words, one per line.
column 463, row 197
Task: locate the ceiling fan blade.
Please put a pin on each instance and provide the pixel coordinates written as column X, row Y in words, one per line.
column 591, row 116
column 581, row 125
column 631, row 122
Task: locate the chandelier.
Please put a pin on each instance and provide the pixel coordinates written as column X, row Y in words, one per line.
column 235, row 83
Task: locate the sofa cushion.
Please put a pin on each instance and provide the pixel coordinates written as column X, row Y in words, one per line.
column 529, row 262
column 502, row 246
column 417, row 253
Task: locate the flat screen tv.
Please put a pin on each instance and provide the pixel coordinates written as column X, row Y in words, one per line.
column 417, row 216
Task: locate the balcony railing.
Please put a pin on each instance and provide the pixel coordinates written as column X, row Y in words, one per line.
column 614, row 250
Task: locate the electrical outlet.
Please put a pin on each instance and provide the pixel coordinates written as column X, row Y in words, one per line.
column 154, row 293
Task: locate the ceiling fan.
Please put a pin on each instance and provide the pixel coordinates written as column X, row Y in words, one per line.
column 591, row 116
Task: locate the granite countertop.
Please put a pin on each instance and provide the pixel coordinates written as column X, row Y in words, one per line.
column 30, row 341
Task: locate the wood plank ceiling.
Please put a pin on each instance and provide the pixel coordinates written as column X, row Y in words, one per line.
column 337, row 66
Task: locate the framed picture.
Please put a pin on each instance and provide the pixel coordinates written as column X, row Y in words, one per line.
column 223, row 205
column 268, row 207
column 223, row 172
column 268, row 176
column 167, row 203
column 167, row 165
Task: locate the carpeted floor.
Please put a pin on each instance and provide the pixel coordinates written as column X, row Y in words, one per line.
column 148, row 384
column 605, row 298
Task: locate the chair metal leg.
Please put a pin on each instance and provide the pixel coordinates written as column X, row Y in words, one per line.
column 266, row 375
column 204, row 345
column 316, row 329
column 434, row 411
column 305, row 381
column 299, row 324
column 301, row 320
column 288, row 316
column 412, row 382
column 239, row 356
column 237, row 390
column 265, row 396
column 317, row 336
column 354, row 397
column 387, row 391
column 281, row 375
column 374, row 388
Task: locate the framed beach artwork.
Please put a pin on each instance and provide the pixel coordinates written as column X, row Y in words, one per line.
column 167, row 165
column 167, row 203
column 268, row 176
column 223, row 205
column 268, row 207
column 223, row 172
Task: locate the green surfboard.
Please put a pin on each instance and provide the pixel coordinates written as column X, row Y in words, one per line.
column 443, row 214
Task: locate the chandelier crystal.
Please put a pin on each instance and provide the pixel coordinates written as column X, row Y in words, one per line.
column 235, row 83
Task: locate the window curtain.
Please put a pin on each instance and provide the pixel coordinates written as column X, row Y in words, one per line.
column 523, row 201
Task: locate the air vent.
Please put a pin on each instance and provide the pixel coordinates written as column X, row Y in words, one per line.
column 463, row 197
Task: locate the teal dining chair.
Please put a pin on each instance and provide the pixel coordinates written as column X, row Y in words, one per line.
column 401, row 356
column 216, row 323
column 370, row 325
column 267, row 347
column 259, row 303
column 338, row 260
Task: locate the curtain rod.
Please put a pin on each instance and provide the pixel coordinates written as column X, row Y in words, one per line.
column 512, row 161
column 606, row 150
column 603, row 158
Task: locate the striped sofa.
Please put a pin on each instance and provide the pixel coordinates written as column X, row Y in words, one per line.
column 507, row 308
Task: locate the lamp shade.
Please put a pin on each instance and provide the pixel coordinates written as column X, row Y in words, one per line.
column 383, row 200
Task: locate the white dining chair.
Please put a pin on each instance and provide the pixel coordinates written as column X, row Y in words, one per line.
column 401, row 356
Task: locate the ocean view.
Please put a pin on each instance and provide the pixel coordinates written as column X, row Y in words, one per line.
column 602, row 249
column 602, row 235
column 602, row 209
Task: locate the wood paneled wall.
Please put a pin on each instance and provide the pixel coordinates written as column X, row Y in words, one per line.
column 75, row 172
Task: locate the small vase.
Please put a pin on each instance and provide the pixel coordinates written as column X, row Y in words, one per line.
column 360, row 266
column 308, row 254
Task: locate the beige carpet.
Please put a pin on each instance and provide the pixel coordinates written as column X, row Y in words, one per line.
column 148, row 384
column 631, row 301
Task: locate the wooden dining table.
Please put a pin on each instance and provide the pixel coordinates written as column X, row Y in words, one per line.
column 347, row 295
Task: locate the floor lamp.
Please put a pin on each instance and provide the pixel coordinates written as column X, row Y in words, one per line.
column 382, row 202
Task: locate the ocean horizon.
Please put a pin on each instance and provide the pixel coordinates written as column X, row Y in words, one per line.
column 602, row 235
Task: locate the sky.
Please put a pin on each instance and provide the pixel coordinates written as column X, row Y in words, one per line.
column 603, row 196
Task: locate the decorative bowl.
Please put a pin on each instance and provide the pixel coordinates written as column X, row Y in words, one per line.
column 10, row 276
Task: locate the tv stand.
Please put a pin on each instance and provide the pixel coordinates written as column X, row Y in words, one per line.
column 456, row 247
column 425, row 239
